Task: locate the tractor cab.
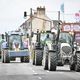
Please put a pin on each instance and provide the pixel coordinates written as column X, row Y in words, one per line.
column 16, row 48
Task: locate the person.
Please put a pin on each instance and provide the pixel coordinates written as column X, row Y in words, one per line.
column 4, row 45
column 47, row 39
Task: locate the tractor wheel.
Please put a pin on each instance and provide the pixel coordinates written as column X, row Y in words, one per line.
column 72, row 63
column 6, row 57
column 33, row 58
column 2, row 56
column 52, row 61
column 72, row 67
column 26, row 59
column 38, row 56
column 45, row 58
column 22, row 59
column 77, row 67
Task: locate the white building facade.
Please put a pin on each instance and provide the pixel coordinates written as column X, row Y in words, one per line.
column 39, row 21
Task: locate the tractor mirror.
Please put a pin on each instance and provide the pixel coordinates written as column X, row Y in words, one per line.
column 2, row 36
column 75, row 45
column 25, row 14
column 32, row 34
column 27, row 35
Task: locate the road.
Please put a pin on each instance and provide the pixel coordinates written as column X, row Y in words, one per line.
column 27, row 71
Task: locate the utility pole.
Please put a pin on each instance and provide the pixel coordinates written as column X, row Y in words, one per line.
column 58, row 15
column 31, row 25
column 58, row 27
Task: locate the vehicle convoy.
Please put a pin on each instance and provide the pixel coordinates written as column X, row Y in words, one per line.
column 15, row 47
column 59, row 50
column 38, row 41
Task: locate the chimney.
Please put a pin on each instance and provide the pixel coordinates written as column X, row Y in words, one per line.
column 40, row 10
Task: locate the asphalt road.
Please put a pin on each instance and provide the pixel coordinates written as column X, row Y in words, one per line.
column 27, row 71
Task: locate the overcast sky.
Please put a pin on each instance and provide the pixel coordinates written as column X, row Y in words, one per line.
column 11, row 11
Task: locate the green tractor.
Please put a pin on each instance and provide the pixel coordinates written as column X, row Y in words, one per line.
column 57, row 50
column 49, row 52
column 14, row 48
column 37, row 49
column 60, row 50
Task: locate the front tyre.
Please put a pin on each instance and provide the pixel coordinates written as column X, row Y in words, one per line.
column 52, row 61
column 77, row 67
column 38, row 56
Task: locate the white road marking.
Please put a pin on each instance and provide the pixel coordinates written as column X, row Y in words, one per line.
column 33, row 70
column 35, row 73
column 47, row 71
column 39, row 77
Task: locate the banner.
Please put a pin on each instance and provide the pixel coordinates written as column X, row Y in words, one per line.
column 71, row 27
column 62, row 7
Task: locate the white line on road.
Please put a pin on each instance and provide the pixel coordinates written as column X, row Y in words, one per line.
column 35, row 73
column 47, row 71
column 39, row 77
column 33, row 70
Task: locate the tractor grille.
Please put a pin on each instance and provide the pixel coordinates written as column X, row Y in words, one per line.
column 66, row 50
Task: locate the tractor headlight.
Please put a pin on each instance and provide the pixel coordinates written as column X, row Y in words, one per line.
column 50, row 46
column 78, row 48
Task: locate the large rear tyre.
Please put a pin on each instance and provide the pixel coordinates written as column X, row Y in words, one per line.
column 2, row 56
column 38, row 56
column 6, row 57
column 72, row 63
column 45, row 58
column 77, row 67
column 52, row 61
column 33, row 58
column 72, row 67
column 25, row 59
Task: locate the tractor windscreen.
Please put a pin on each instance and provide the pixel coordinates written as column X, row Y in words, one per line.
column 65, row 38
column 44, row 36
column 15, row 40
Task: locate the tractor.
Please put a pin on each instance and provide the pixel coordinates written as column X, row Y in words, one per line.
column 15, row 47
column 57, row 50
column 75, row 58
column 60, row 50
column 38, row 41
column 37, row 49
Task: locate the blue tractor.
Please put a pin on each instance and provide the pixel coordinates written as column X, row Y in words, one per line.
column 14, row 47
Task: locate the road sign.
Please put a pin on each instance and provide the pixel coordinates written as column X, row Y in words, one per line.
column 71, row 27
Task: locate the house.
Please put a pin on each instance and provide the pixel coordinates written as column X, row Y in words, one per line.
column 39, row 21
